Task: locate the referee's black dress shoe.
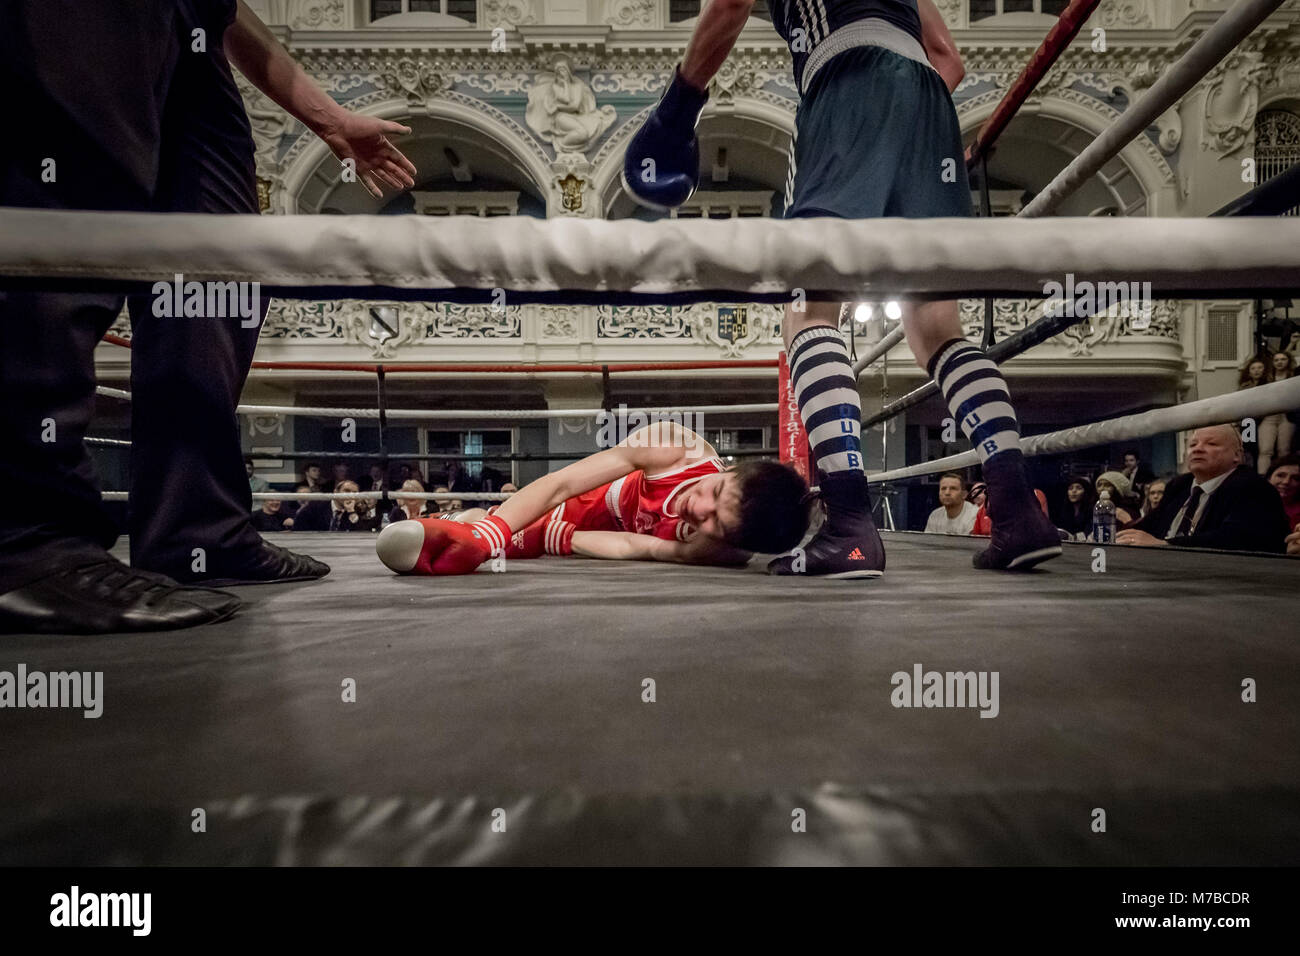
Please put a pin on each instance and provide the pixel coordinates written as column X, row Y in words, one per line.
column 266, row 564
column 89, row 594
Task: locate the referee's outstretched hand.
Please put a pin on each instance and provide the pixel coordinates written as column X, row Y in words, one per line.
column 364, row 139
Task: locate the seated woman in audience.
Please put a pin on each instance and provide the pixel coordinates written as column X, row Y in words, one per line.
column 1284, row 475
column 1253, row 374
column 1126, row 508
column 1155, row 493
column 352, row 514
column 407, row 508
column 1075, row 516
column 1276, row 431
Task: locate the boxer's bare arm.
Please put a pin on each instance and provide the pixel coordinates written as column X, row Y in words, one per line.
column 626, row 546
column 715, row 34
column 659, row 447
column 940, row 48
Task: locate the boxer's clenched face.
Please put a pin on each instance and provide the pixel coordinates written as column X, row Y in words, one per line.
column 712, row 505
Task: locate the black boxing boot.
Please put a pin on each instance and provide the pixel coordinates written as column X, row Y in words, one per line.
column 1022, row 535
column 847, row 545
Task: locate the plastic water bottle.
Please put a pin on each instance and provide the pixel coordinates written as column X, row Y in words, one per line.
column 1103, row 520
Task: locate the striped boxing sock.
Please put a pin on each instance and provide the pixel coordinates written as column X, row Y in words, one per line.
column 827, row 391
column 977, row 396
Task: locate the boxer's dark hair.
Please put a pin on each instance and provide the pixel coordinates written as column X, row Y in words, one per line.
column 774, row 506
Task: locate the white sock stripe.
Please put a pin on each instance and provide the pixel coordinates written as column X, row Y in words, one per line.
column 975, row 388
column 801, row 373
column 984, row 366
column 813, row 334
column 809, row 403
column 987, row 412
column 831, row 430
column 1002, row 441
column 950, row 353
column 839, row 462
column 835, row 396
column 813, row 345
column 552, row 542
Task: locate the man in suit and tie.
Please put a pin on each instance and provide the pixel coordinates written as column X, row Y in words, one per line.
column 1220, row 504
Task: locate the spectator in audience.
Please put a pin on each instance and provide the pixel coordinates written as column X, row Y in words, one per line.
column 311, row 515
column 407, row 471
column 1136, row 471
column 1155, row 493
column 351, row 514
column 984, row 526
column 978, row 493
column 409, row 507
column 955, row 515
column 1075, row 516
column 509, row 488
column 1284, row 475
column 1219, row 504
column 312, row 477
column 455, row 504
column 456, row 480
column 1126, row 508
column 342, row 472
column 1276, row 432
column 375, row 479
column 269, row 518
column 1253, row 374
column 255, row 484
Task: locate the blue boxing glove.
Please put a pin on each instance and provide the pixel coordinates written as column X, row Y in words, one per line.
column 661, row 167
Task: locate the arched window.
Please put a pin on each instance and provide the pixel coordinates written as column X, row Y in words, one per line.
column 464, row 9
column 680, row 10
column 1277, row 146
column 983, row 9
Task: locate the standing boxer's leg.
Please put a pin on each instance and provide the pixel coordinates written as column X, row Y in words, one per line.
column 848, row 544
column 190, row 515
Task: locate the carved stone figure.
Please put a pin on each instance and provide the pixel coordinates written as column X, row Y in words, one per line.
column 562, row 111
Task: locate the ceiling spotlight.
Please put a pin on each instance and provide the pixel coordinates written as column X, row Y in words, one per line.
column 863, row 312
column 893, row 311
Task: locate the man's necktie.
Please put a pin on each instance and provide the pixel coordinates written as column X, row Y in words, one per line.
column 1189, row 512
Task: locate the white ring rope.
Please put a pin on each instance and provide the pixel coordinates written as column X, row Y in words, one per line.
column 1250, row 403
column 523, row 414
column 700, row 259
column 1230, row 29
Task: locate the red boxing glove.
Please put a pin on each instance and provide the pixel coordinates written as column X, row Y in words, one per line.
column 454, row 548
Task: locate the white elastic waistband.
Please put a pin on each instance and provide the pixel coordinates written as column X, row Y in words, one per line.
column 872, row 31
